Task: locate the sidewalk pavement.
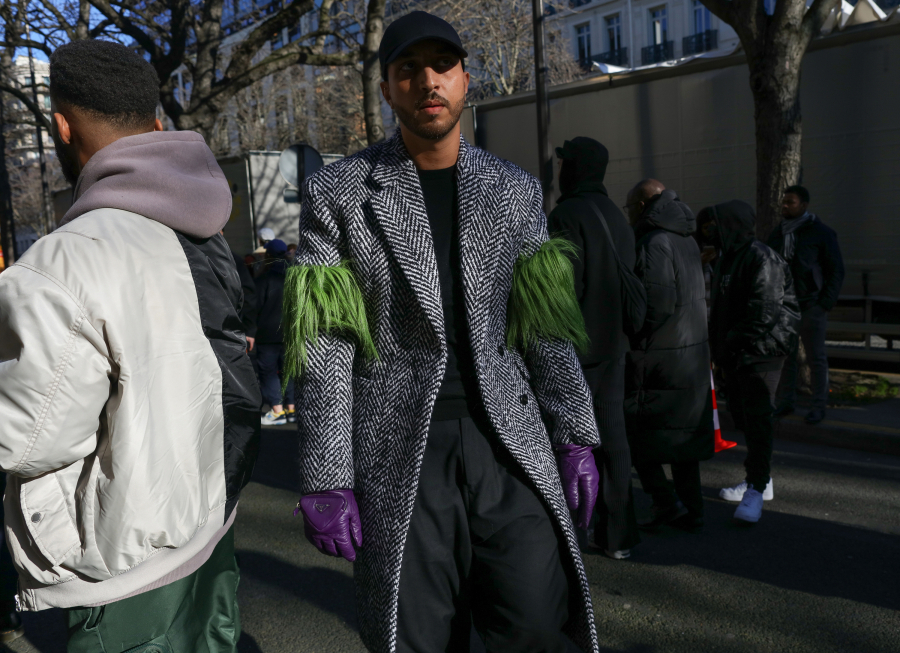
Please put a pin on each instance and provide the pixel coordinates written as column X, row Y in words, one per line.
column 874, row 428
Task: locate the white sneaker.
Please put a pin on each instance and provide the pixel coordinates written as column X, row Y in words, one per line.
column 622, row 554
column 736, row 493
column 750, row 508
column 274, row 419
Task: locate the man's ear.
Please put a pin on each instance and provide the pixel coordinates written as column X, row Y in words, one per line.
column 158, row 126
column 62, row 128
column 386, row 93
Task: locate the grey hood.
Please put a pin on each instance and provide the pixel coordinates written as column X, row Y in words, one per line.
column 169, row 177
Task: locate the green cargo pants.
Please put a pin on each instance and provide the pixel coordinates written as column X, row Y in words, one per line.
column 197, row 614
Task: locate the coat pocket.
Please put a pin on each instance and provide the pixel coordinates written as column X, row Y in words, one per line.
column 47, row 518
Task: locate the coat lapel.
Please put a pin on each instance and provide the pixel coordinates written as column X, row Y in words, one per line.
column 399, row 207
column 482, row 232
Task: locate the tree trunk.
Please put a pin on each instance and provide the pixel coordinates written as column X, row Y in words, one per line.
column 202, row 121
column 7, row 221
column 372, row 71
column 775, row 83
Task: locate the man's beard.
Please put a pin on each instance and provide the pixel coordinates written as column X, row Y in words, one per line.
column 432, row 130
column 66, row 162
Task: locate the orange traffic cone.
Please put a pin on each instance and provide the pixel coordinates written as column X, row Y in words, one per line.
column 720, row 444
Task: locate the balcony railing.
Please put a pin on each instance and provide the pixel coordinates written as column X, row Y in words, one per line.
column 617, row 57
column 702, row 42
column 657, row 53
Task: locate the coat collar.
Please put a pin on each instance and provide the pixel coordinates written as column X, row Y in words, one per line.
column 400, row 209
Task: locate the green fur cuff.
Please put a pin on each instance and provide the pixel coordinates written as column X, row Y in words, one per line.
column 321, row 299
column 542, row 302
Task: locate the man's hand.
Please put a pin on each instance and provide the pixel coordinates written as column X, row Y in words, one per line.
column 331, row 521
column 250, row 343
column 580, row 480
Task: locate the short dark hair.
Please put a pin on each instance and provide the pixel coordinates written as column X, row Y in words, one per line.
column 106, row 79
column 799, row 191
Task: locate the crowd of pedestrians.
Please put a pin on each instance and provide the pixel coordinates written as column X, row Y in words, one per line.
column 714, row 294
column 466, row 386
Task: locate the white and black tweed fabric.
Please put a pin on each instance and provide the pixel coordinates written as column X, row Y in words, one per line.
column 363, row 423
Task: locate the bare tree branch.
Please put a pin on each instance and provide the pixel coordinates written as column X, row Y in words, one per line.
column 816, row 16
column 722, row 9
column 23, row 97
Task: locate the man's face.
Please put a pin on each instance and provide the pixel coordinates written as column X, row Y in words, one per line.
column 792, row 207
column 634, row 207
column 426, row 88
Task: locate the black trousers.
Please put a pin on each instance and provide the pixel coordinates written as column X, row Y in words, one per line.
column 751, row 401
column 684, row 486
column 271, row 362
column 481, row 547
column 616, row 525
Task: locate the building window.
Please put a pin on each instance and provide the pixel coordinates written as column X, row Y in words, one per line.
column 702, row 18
column 614, row 32
column 583, row 38
column 659, row 26
column 578, row 3
column 47, row 102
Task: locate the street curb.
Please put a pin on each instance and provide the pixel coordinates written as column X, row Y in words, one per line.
column 831, row 433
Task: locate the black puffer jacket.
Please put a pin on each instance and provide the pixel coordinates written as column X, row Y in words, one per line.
column 269, row 294
column 597, row 283
column 817, row 265
column 755, row 312
column 668, row 403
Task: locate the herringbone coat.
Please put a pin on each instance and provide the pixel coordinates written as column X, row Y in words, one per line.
column 363, row 423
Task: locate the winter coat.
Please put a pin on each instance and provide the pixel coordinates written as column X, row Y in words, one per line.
column 755, row 313
column 269, row 295
column 597, row 283
column 363, row 421
column 668, row 401
column 129, row 411
column 817, row 265
column 248, row 287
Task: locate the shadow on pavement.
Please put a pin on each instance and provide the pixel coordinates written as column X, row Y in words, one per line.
column 246, row 644
column 789, row 551
column 326, row 589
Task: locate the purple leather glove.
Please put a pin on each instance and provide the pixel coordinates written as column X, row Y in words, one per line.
column 330, row 520
column 580, row 480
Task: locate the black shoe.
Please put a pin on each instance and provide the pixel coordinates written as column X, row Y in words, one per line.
column 783, row 411
column 688, row 523
column 814, row 416
column 11, row 627
column 663, row 516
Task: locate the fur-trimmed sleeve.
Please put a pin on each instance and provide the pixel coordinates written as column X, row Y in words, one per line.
column 544, row 322
column 324, row 323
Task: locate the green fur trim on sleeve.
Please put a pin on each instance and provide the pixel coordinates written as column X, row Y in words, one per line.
column 321, row 299
column 542, row 302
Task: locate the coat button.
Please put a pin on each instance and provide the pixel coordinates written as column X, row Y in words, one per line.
column 36, row 517
column 524, row 400
column 500, row 349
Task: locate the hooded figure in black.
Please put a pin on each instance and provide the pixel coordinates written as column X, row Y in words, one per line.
column 752, row 330
column 668, row 401
column 597, row 287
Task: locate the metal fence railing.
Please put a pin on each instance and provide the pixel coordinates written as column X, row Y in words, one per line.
column 657, row 53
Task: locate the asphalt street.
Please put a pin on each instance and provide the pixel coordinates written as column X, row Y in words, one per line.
column 819, row 573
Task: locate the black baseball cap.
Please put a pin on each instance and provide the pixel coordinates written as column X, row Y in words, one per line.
column 412, row 28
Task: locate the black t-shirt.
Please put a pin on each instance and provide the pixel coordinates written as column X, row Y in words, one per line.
column 439, row 189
